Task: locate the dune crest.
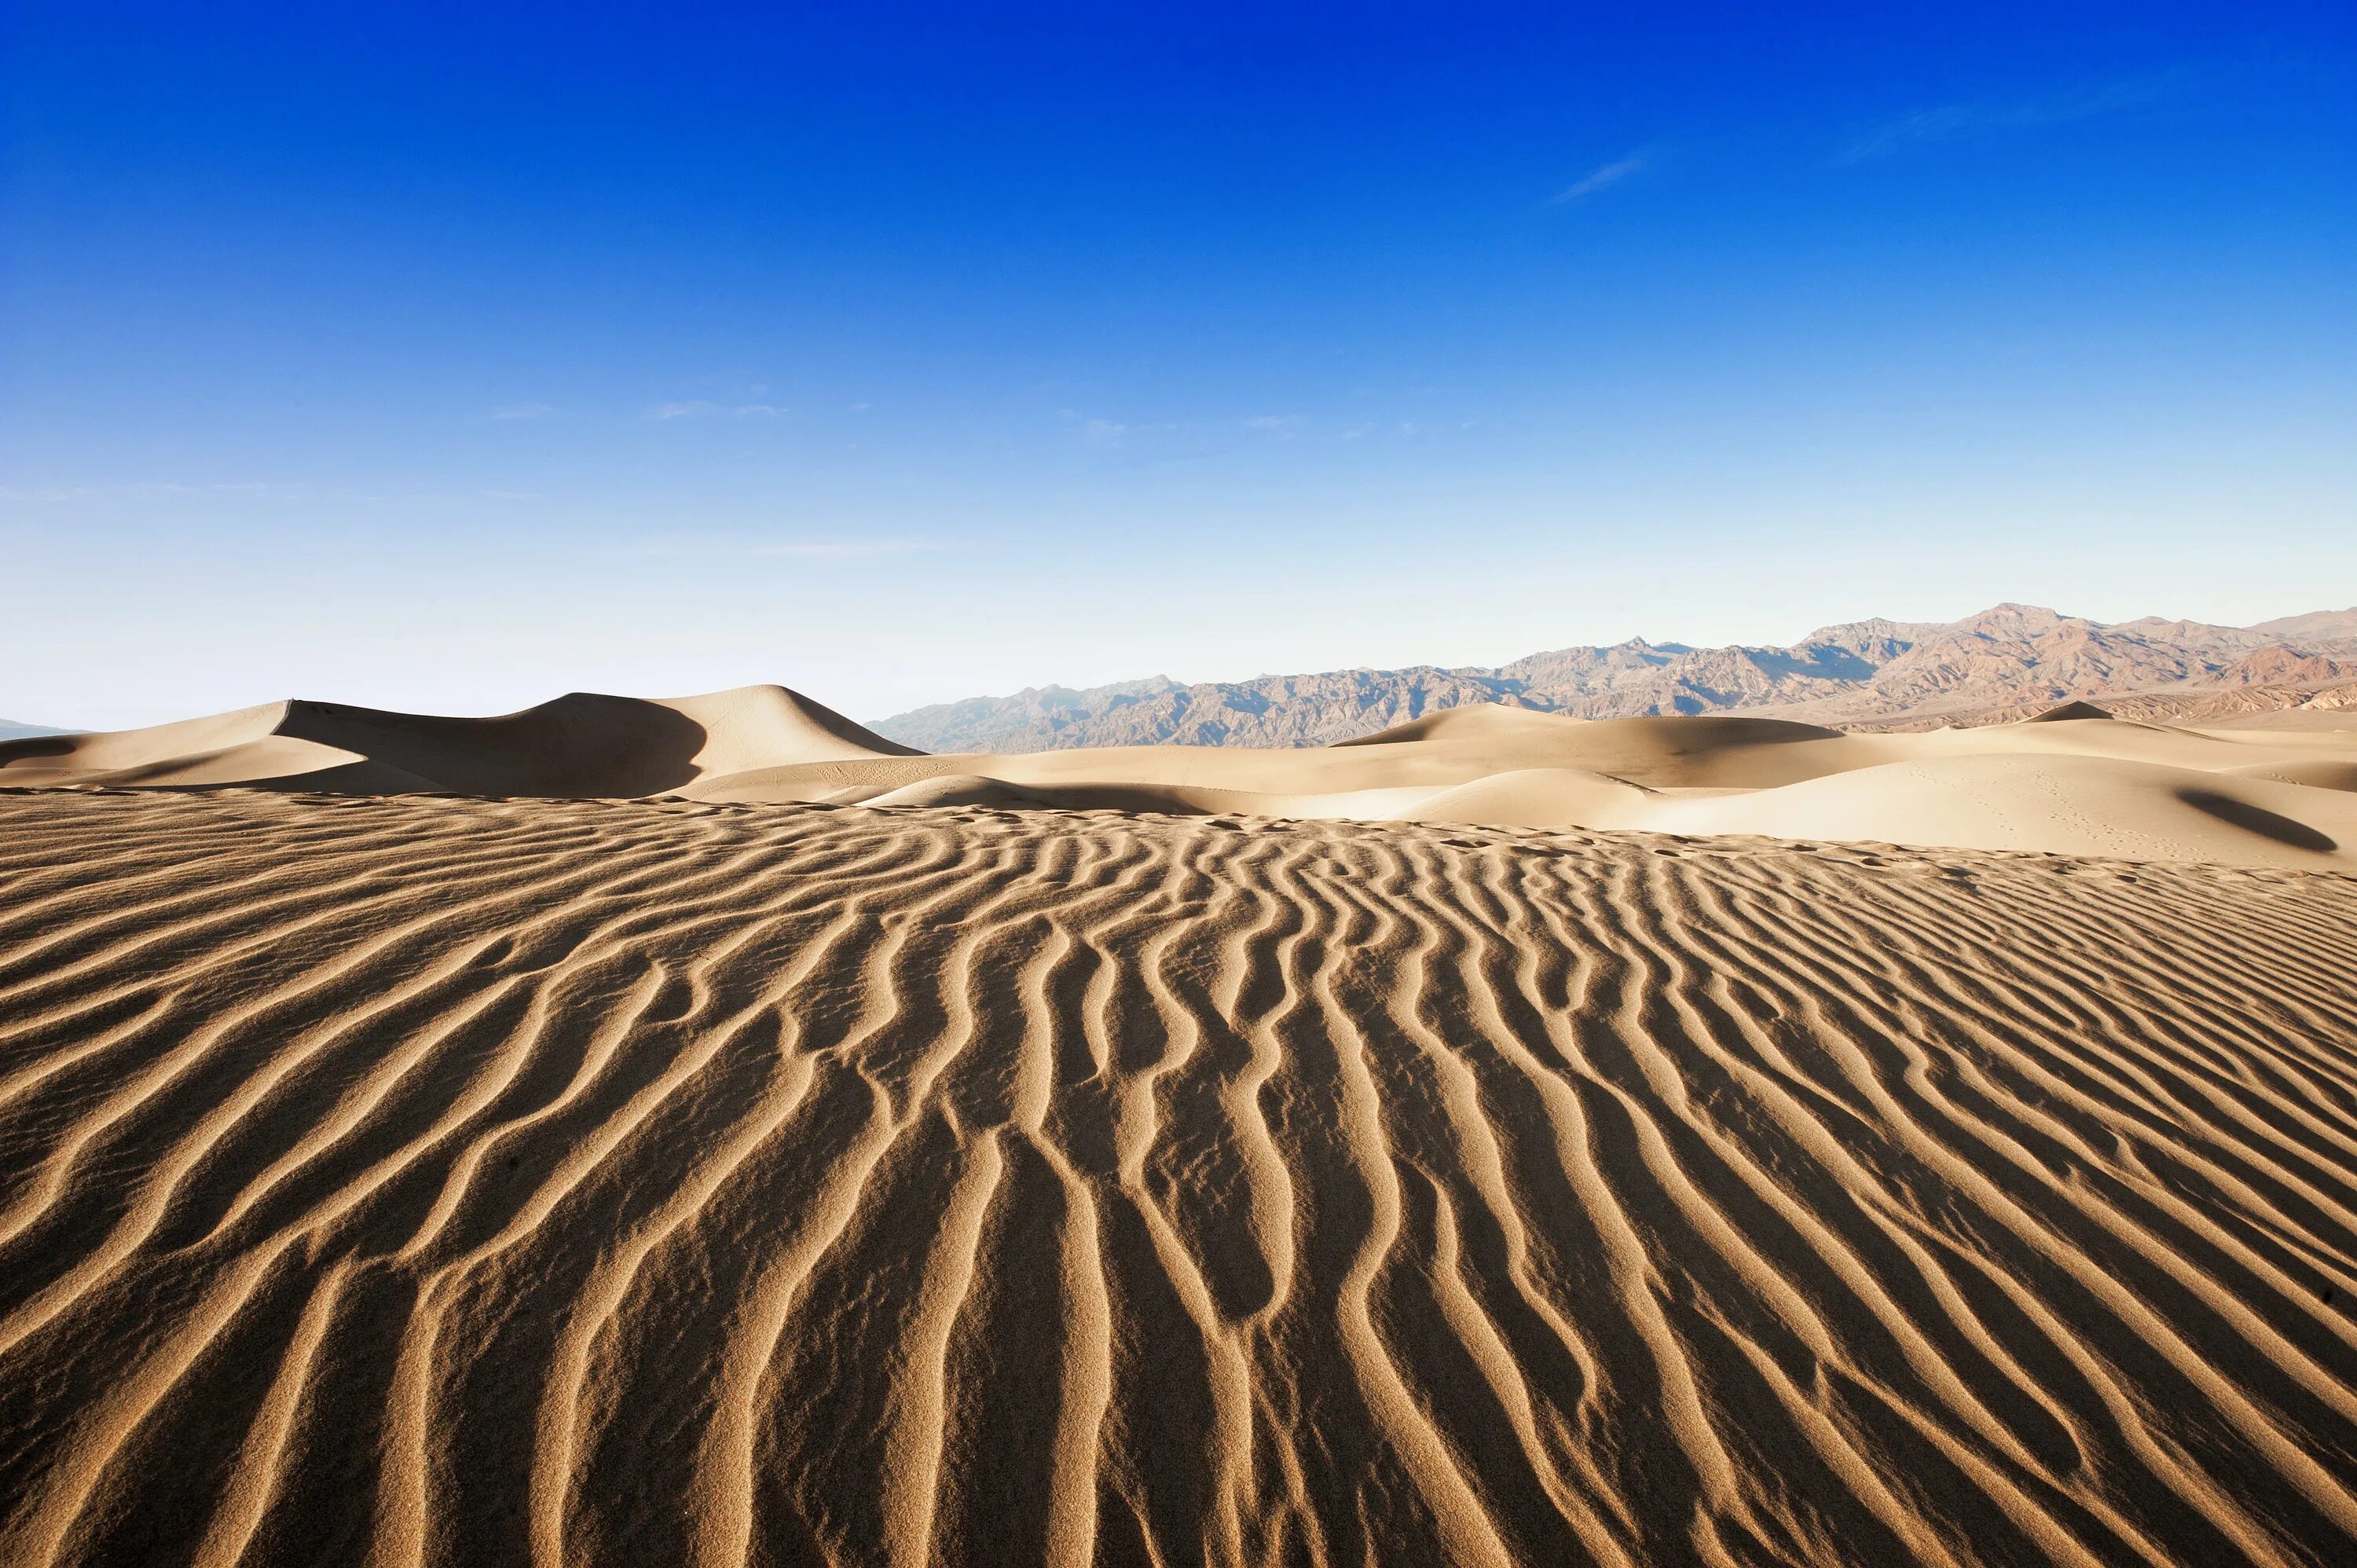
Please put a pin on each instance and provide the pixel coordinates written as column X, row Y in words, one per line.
column 582, row 745
column 2075, row 781
column 2066, row 712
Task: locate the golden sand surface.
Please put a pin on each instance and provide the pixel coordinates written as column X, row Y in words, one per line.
column 2072, row 781
column 430, row 1180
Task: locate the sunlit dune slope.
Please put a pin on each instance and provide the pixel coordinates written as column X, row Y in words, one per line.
column 2069, row 782
column 2063, row 805
column 582, row 745
column 447, row 1181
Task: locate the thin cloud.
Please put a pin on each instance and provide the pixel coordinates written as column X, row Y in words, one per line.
column 1114, row 432
column 1275, row 424
column 703, row 408
column 1602, row 178
column 521, row 411
column 1948, row 121
column 50, row 494
column 707, row 547
column 150, row 488
column 844, row 549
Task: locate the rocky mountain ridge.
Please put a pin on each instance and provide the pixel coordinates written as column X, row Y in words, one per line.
column 1868, row 672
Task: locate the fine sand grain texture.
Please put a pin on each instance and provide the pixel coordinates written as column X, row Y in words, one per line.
column 425, row 1180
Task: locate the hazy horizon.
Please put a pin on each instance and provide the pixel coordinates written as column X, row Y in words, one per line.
column 450, row 361
column 12, row 723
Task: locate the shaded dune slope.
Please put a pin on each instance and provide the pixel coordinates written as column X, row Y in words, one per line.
column 583, row 745
column 2074, row 782
column 577, row 1183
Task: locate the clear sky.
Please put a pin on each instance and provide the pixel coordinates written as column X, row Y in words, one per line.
column 449, row 358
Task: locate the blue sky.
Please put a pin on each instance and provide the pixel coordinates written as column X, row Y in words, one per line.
column 450, row 358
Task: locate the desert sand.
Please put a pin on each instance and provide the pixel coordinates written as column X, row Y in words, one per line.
column 848, row 1157
column 2073, row 781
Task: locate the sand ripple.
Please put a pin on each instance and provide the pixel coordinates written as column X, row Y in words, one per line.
column 436, row 1181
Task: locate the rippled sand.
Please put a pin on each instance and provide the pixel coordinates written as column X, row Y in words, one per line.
column 459, row 1181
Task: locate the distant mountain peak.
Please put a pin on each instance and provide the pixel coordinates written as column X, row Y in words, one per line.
column 2008, row 655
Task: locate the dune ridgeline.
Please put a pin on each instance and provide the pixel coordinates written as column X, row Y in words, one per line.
column 2072, row 780
column 703, row 1131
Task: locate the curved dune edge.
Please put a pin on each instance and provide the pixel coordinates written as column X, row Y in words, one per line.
column 448, row 1181
column 582, row 745
column 2072, row 781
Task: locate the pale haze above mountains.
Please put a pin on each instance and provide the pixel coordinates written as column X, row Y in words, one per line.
column 1878, row 674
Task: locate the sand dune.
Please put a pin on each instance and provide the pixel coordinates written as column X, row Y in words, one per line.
column 581, row 745
column 2062, row 805
column 452, row 1181
column 2070, row 781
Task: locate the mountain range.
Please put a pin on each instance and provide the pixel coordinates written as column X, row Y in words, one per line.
column 1866, row 674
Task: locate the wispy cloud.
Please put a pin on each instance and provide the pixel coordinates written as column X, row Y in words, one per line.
column 163, row 491
column 1604, row 177
column 1275, row 424
column 711, row 546
column 51, row 494
column 1118, row 432
column 521, row 411
column 842, row 549
column 151, row 488
column 703, row 408
column 1947, row 122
